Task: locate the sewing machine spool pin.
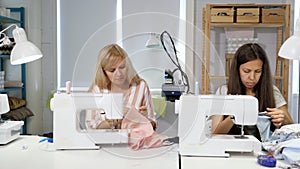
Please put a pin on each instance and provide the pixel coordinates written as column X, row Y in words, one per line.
column 242, row 131
column 112, row 125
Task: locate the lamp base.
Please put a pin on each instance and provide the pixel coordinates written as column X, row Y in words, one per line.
column 10, row 130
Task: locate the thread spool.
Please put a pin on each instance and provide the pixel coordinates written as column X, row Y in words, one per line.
column 196, row 88
column 68, row 87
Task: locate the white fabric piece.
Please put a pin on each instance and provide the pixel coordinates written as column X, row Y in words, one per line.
column 263, row 125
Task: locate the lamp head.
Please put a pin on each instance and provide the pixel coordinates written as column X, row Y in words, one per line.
column 23, row 51
column 290, row 49
column 153, row 42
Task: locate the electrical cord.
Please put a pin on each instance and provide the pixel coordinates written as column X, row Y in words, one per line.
column 184, row 76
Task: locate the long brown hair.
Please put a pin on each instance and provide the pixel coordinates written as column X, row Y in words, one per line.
column 264, row 88
column 108, row 56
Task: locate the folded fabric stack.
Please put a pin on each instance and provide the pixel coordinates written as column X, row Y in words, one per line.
column 18, row 111
column 285, row 144
column 13, row 84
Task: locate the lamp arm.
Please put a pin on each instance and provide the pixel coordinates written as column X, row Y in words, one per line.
column 1, row 40
column 9, row 27
column 5, row 40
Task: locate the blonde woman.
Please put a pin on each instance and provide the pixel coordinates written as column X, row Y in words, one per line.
column 115, row 74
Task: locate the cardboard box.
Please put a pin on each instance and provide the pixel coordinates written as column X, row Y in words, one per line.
column 272, row 15
column 222, row 14
column 247, row 15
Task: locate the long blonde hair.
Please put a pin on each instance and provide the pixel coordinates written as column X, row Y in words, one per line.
column 109, row 56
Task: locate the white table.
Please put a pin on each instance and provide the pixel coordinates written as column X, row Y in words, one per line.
column 27, row 153
column 235, row 161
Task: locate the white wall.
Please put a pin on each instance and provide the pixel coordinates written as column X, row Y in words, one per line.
column 49, row 66
column 85, row 27
column 80, row 44
column 140, row 18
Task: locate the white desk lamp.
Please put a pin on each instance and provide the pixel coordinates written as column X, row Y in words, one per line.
column 23, row 52
column 290, row 49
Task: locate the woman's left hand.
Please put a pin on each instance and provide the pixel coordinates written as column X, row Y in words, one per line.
column 143, row 110
column 277, row 116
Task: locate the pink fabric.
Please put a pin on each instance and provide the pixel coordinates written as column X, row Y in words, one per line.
column 142, row 135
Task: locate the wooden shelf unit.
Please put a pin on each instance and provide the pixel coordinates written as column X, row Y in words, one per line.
column 281, row 77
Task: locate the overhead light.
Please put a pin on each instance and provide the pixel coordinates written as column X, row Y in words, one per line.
column 290, row 49
column 23, row 51
column 153, row 41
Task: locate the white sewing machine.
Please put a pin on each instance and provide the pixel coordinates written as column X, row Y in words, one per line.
column 70, row 131
column 9, row 130
column 194, row 128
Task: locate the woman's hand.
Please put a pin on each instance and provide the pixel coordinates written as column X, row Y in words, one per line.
column 107, row 124
column 143, row 109
column 277, row 116
column 220, row 124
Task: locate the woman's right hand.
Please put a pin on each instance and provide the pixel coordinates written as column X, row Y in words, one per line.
column 107, row 124
column 221, row 125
